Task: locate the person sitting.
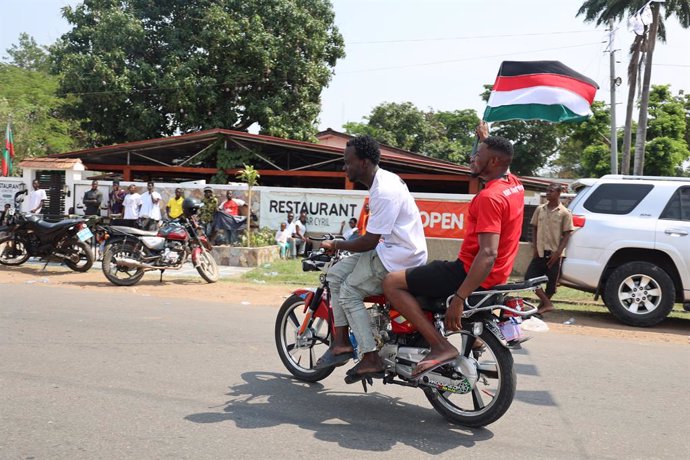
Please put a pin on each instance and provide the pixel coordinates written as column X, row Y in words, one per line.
column 394, row 241
column 486, row 257
column 282, row 240
column 351, row 232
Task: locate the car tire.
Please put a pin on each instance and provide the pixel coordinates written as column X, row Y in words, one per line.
column 639, row 294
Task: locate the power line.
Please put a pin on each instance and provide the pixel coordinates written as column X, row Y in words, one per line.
column 475, row 58
column 468, row 37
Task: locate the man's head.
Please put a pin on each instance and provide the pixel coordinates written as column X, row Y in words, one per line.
column 132, row 188
column 229, row 195
column 116, row 185
column 553, row 193
column 94, row 185
column 303, row 217
column 290, row 217
column 208, row 192
column 492, row 159
column 353, row 222
column 362, row 155
column 149, row 186
column 178, row 193
column 283, row 226
column 7, row 206
column 36, row 185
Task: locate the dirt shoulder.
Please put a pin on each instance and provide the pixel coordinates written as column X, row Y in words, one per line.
column 237, row 291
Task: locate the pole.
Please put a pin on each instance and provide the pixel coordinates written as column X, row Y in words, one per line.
column 614, row 133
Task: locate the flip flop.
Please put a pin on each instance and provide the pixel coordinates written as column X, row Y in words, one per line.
column 354, row 377
column 330, row 360
column 432, row 364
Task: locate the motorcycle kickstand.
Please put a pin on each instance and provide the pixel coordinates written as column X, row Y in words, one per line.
column 46, row 264
column 161, row 280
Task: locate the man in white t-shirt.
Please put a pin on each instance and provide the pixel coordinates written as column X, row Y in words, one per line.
column 394, row 240
column 150, row 212
column 131, row 205
column 36, row 198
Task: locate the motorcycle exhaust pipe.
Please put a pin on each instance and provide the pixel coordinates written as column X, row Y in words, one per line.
column 126, row 262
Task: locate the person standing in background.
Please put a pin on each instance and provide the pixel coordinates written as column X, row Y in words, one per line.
column 150, row 213
column 206, row 213
column 36, row 198
column 92, row 200
column 115, row 198
column 282, row 240
column 131, row 205
column 174, row 207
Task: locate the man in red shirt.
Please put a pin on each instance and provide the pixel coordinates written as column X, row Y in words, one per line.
column 231, row 205
column 492, row 236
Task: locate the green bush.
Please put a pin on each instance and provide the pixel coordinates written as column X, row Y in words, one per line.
column 263, row 237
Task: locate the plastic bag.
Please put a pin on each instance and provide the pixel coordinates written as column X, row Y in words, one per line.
column 534, row 324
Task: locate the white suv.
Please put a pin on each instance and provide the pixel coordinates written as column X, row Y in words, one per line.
column 632, row 246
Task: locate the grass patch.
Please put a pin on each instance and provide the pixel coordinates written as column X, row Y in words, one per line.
column 282, row 272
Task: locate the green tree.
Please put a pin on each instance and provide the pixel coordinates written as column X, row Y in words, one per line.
column 444, row 135
column 642, row 51
column 145, row 68
column 28, row 98
column 666, row 149
column 28, row 55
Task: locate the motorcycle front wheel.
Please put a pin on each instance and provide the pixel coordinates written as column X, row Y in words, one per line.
column 207, row 268
column 12, row 252
column 494, row 391
column 121, row 276
column 299, row 354
column 82, row 257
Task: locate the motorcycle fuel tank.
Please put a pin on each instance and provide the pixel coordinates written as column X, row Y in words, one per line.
column 155, row 243
column 173, row 231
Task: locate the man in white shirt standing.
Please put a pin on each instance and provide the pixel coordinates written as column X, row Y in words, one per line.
column 131, row 205
column 36, row 198
column 394, row 240
column 150, row 213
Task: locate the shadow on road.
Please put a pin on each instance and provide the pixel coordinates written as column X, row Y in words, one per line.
column 368, row 422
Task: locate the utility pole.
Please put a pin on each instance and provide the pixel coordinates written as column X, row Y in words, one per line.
column 614, row 82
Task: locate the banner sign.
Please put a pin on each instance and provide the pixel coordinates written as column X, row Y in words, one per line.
column 327, row 211
column 8, row 187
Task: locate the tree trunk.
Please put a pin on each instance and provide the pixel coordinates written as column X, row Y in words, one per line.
column 632, row 87
column 641, row 136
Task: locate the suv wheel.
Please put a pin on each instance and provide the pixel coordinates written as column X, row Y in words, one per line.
column 639, row 294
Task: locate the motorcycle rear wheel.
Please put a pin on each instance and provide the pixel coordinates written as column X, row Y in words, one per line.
column 85, row 257
column 497, row 381
column 299, row 355
column 12, row 252
column 121, row 276
column 207, row 268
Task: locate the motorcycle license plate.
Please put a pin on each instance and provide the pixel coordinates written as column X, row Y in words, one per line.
column 84, row 234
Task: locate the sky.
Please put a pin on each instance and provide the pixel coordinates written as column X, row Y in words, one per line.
column 436, row 54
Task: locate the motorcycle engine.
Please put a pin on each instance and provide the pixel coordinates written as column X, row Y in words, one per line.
column 379, row 321
column 173, row 253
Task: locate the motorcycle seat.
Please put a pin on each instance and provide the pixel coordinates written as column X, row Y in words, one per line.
column 380, row 299
column 131, row 231
column 48, row 227
column 438, row 305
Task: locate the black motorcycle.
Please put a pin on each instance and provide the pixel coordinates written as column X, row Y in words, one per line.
column 30, row 236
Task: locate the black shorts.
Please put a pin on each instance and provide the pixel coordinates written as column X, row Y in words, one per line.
column 538, row 267
column 437, row 279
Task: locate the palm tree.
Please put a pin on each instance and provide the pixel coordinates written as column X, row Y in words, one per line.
column 642, row 51
column 251, row 177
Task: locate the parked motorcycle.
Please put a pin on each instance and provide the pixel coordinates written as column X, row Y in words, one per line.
column 130, row 252
column 474, row 390
column 28, row 235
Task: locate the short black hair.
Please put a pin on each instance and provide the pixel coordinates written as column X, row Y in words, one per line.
column 353, row 219
column 116, row 182
column 150, row 183
column 366, row 148
column 500, row 144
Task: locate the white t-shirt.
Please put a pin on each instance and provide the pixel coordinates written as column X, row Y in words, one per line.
column 148, row 207
column 394, row 215
column 36, row 198
column 348, row 231
column 282, row 236
column 131, row 205
column 297, row 224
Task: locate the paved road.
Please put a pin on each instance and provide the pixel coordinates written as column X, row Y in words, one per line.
column 129, row 377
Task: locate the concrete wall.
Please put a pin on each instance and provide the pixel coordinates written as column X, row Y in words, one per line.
column 446, row 249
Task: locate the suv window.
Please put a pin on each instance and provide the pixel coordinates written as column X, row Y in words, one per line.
column 617, row 198
column 678, row 207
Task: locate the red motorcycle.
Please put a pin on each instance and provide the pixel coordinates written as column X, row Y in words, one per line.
column 474, row 390
column 130, row 252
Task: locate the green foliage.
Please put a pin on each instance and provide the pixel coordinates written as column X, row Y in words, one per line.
column 231, row 159
column 664, row 156
column 38, row 124
column 596, row 160
column 28, row 55
column 251, row 177
column 220, row 177
column 258, row 238
column 444, row 135
column 146, row 68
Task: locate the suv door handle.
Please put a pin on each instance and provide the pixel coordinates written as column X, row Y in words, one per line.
column 675, row 231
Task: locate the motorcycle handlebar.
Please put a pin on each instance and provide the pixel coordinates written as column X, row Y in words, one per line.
column 325, row 237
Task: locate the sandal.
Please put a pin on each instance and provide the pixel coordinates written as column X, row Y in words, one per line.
column 330, row 360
